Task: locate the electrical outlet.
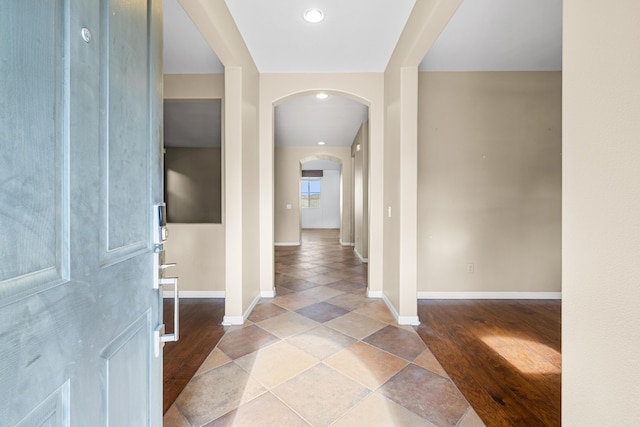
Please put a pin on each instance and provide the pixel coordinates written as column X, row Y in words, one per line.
column 471, row 268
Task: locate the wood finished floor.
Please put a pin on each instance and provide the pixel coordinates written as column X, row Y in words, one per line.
column 200, row 330
column 504, row 356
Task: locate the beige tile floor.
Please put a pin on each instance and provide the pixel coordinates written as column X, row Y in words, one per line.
column 320, row 354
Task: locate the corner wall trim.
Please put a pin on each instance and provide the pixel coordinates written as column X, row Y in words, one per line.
column 402, row 320
column 374, row 294
column 287, row 243
column 490, row 295
column 363, row 260
column 239, row 320
column 268, row 294
column 347, row 243
column 195, row 294
column 232, row 320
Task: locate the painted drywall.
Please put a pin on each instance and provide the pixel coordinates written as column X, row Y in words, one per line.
column 250, row 188
column 199, row 264
column 489, row 182
column 427, row 20
column 360, row 160
column 367, row 88
column 193, row 185
column 327, row 215
column 204, row 270
column 241, row 155
column 601, row 214
column 194, row 86
column 287, row 189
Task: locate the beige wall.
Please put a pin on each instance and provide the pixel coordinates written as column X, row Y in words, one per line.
column 193, row 185
column 276, row 88
column 199, row 266
column 200, row 263
column 489, row 182
column 427, row 20
column 250, row 187
column 601, row 214
column 287, row 189
column 360, row 203
column 241, row 155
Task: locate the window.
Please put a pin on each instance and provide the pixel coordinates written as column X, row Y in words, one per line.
column 310, row 195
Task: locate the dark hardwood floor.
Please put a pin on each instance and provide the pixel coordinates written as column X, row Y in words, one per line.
column 200, row 330
column 504, row 356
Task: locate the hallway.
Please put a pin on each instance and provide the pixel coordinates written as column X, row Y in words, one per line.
column 321, row 353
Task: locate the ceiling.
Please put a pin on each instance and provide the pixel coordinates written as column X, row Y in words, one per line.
column 359, row 36
column 184, row 48
column 307, row 120
column 500, row 35
column 355, row 35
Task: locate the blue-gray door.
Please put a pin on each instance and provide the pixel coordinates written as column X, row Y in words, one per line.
column 80, row 168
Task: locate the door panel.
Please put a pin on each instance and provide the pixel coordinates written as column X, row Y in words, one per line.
column 125, row 76
column 80, row 169
column 125, row 383
column 33, row 208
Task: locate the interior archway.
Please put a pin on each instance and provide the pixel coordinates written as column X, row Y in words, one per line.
column 331, row 128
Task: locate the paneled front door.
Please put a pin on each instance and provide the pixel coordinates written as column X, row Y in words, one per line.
column 80, row 169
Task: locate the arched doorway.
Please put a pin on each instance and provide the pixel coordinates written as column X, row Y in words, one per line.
column 307, row 128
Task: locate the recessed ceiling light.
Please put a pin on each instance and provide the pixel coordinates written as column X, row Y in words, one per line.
column 321, row 143
column 322, row 96
column 313, row 15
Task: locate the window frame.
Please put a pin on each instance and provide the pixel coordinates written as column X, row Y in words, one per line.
column 305, row 197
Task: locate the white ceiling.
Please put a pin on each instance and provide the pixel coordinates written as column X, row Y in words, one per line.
column 355, row 35
column 185, row 51
column 359, row 36
column 500, row 35
column 307, row 120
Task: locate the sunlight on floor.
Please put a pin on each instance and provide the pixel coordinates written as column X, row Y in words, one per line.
column 529, row 357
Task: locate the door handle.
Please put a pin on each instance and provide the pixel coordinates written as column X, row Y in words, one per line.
column 172, row 281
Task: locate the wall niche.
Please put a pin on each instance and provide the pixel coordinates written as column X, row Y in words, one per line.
column 193, row 161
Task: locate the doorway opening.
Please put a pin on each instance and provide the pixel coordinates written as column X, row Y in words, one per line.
column 315, row 141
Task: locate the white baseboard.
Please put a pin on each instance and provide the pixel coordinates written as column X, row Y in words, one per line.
column 347, row 243
column 374, row 294
column 239, row 320
column 364, row 260
column 287, row 243
column 195, row 294
column 402, row 320
column 232, row 320
column 268, row 294
column 490, row 295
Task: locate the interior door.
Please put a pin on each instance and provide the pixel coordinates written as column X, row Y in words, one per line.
column 80, row 169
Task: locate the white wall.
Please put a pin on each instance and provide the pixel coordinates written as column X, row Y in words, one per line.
column 601, row 214
column 328, row 214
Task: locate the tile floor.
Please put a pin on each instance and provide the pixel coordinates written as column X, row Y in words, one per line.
column 320, row 354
